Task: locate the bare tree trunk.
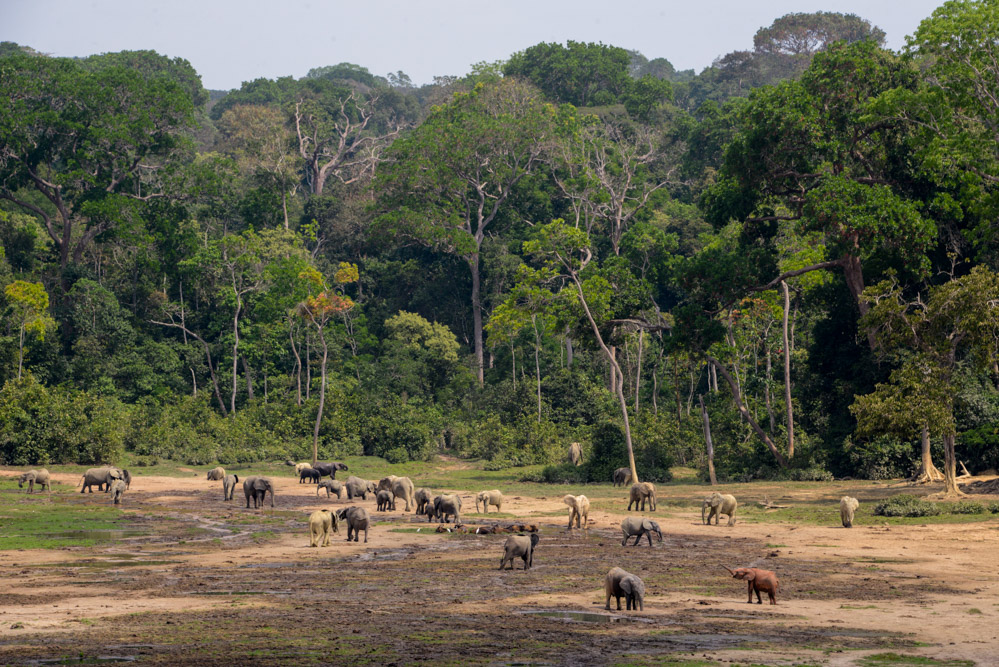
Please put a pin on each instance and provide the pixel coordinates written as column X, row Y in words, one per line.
column 707, row 442
column 20, row 352
column 284, row 206
column 676, row 391
column 613, row 368
column 473, row 264
column 950, row 467
column 747, row 415
column 308, row 367
column 655, row 391
column 322, row 400
column 513, row 365
column 235, row 354
column 537, row 363
column 568, row 351
column 787, row 374
column 713, row 382
column 298, row 366
column 638, row 373
column 927, row 472
column 194, row 384
column 248, row 374
column 766, row 393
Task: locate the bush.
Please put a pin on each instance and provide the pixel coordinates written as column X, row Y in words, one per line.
column 813, row 473
column 884, row 457
column 397, row 455
column 906, row 506
column 968, row 507
column 563, row 473
column 994, row 507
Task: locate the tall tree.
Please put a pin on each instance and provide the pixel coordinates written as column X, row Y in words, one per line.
column 28, row 304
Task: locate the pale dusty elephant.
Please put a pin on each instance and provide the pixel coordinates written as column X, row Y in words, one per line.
column 229, row 486
column 99, row 477
column 579, row 509
column 117, row 491
column 215, row 474
column 719, row 504
column 641, row 492
column 847, row 507
column 32, row 477
column 322, row 523
column 487, row 498
column 575, row 454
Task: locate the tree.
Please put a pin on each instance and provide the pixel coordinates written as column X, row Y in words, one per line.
column 82, row 149
column 28, row 304
column 582, row 74
column 323, row 304
column 446, row 184
column 957, row 323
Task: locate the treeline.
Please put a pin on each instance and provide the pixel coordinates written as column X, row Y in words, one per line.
column 792, row 252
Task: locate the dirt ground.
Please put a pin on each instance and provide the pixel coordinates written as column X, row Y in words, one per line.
column 210, row 583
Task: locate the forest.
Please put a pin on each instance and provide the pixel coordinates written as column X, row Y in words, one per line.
column 783, row 267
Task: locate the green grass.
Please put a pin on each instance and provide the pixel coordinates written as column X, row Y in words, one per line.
column 895, row 659
column 40, row 522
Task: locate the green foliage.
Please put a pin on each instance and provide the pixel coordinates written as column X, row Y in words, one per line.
column 881, row 457
column 906, row 505
column 968, row 507
column 580, row 73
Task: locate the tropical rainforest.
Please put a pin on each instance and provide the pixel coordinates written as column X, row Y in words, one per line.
column 784, row 266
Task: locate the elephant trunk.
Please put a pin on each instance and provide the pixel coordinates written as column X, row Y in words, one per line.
column 730, row 571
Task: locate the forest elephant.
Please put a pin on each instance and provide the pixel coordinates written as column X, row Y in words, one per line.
column 310, row 475
column 640, row 492
column 519, row 546
column 229, row 486
column 847, row 507
column 575, row 454
column 32, row 477
column 402, row 487
column 99, row 477
column 757, row 580
column 487, row 498
column 384, row 501
column 358, row 488
column 357, row 520
column 423, row 497
column 329, row 468
column 719, row 504
column 579, row 509
column 385, row 483
column 639, row 526
column 257, row 488
column 621, row 477
column 299, row 467
column 619, row 583
column 117, row 491
column 127, row 476
column 322, row 523
column 216, row 474
column 445, row 506
column 331, row 486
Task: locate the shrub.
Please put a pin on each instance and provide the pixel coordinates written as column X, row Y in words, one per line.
column 563, row 473
column 906, row 506
column 968, row 507
column 396, row 455
column 994, row 507
column 884, row 457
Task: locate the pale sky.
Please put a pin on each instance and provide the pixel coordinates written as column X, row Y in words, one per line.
column 231, row 41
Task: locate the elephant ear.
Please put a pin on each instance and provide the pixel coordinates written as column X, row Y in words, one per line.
column 626, row 585
column 749, row 575
column 649, row 525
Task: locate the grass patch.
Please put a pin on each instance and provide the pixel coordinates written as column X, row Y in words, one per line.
column 50, row 523
column 895, row 659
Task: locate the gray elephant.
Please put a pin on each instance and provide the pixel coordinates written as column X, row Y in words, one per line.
column 445, row 506
column 423, row 497
column 639, row 526
column 621, row 476
column 99, row 477
column 519, row 546
column 310, row 475
column 402, row 487
column 357, row 520
column 329, row 468
column 620, row 583
column 257, row 488
column 32, row 477
column 127, row 476
column 575, row 454
column 719, row 504
column 358, row 488
column 383, row 500
column 640, row 492
column 117, row 491
column 487, row 498
column 229, row 486
column 216, row 474
column 331, row 486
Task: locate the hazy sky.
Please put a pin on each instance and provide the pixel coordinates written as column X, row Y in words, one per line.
column 231, row 41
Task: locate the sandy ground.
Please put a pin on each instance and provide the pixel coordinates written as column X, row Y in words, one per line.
column 928, row 590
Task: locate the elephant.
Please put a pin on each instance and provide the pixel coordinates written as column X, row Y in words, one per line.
column 431, row 508
column 257, row 488
column 357, row 487
column 423, row 498
column 385, row 483
column 384, row 501
column 579, row 508
column 847, row 507
column 99, row 477
column 575, row 454
column 445, row 506
column 216, row 474
column 117, row 491
column 32, row 477
column 329, row 468
column 402, row 487
column 618, row 583
column 719, row 504
column 357, row 520
column 621, row 476
column 487, row 498
column 299, row 467
column 229, row 485
column 331, row 486
column 639, row 526
column 640, row 492
column 127, row 476
column 758, row 580
column 519, row 546
column 321, row 524
column 309, row 474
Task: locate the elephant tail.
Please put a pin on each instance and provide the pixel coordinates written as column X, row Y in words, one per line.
column 82, row 477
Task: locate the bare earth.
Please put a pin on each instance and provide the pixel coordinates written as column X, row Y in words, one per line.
column 210, row 583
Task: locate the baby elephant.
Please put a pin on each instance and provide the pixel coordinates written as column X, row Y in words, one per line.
column 321, row 524
column 638, row 526
column 423, row 496
column 309, row 475
column 228, row 486
column 640, row 492
column 847, row 507
column 487, row 498
column 384, row 500
column 719, row 504
column 117, row 491
column 357, row 520
column 216, row 474
column 620, row 583
column 621, row 477
column 579, row 509
column 331, row 486
column 757, row 580
column 32, row 477
column 520, row 546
